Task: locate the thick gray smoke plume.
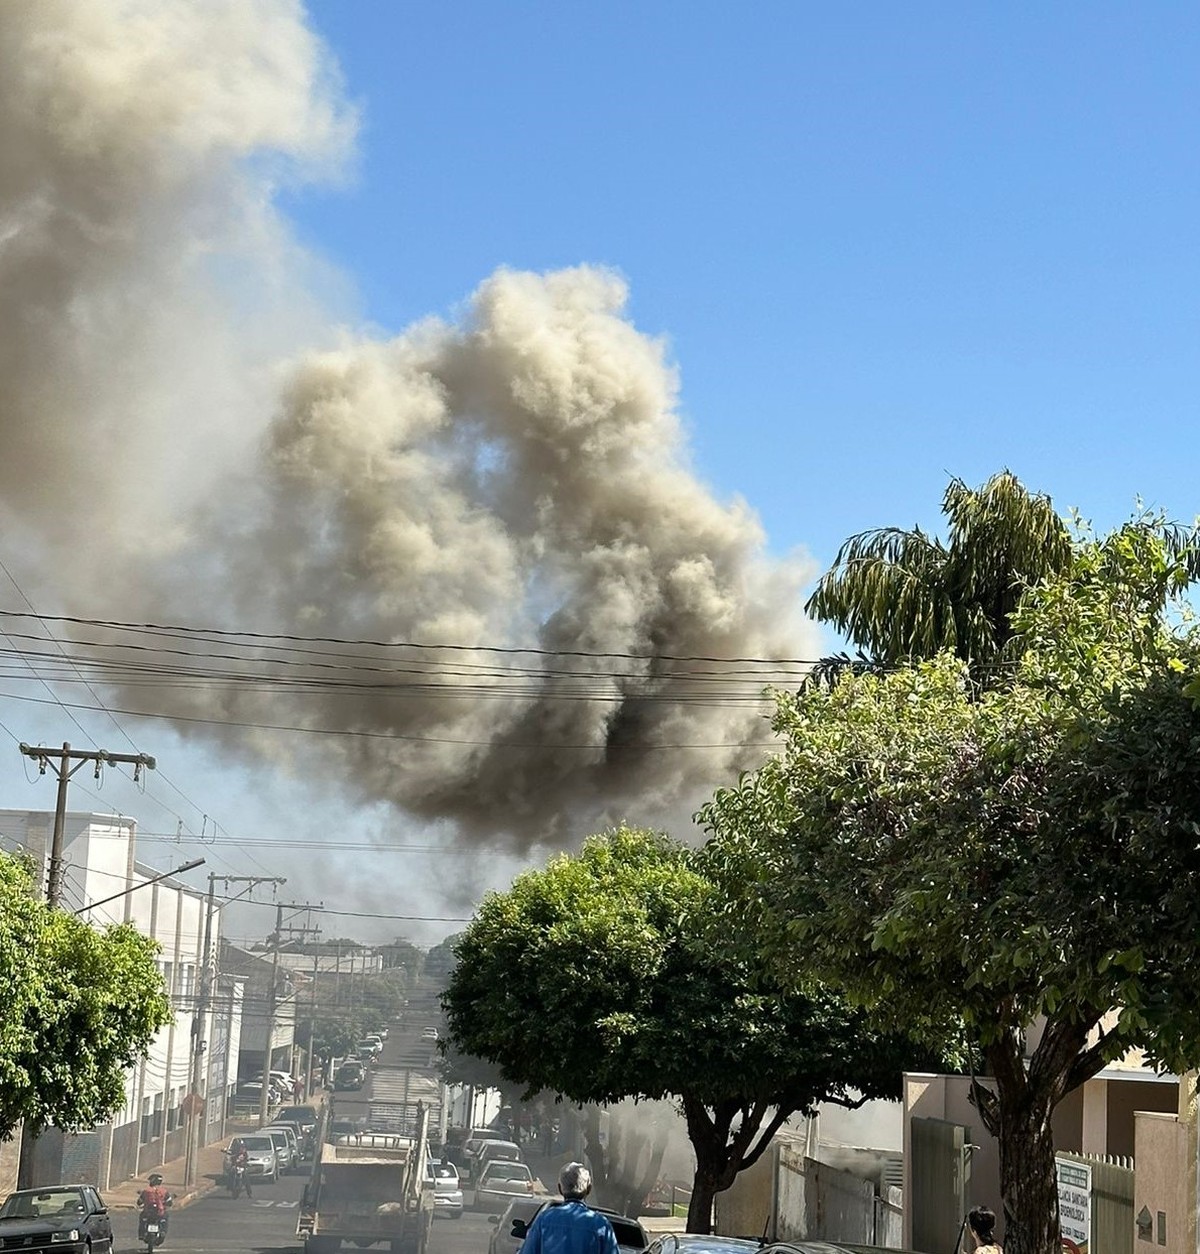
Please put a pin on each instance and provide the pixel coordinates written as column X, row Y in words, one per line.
column 514, row 478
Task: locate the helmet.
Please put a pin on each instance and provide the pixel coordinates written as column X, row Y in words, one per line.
column 155, row 1178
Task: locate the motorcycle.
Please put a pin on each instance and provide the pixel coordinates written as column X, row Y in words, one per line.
column 152, row 1228
column 237, row 1180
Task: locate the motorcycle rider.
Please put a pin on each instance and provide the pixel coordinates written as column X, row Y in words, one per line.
column 239, row 1157
column 153, row 1202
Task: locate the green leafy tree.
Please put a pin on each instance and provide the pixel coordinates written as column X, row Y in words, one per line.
column 903, row 595
column 598, row 978
column 81, row 1006
column 1023, row 856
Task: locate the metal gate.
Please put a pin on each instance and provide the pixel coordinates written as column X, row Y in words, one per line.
column 940, row 1179
column 1112, row 1203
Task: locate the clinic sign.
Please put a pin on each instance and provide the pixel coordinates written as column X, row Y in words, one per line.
column 1074, row 1205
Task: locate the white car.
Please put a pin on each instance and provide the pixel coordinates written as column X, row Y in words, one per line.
column 511, row 1226
column 447, row 1189
column 429, row 1034
column 500, row 1182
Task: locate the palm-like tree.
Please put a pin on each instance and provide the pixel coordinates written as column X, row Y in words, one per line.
column 900, row 595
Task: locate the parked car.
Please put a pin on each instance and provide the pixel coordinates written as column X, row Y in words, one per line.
column 369, row 1045
column 699, row 1243
column 304, row 1119
column 519, row 1210
column 499, row 1182
column 447, row 1190
column 429, row 1034
column 250, row 1094
column 513, row 1224
column 70, row 1218
column 474, row 1143
column 826, row 1247
column 281, row 1081
column 262, row 1162
column 287, row 1147
column 350, row 1075
column 496, row 1151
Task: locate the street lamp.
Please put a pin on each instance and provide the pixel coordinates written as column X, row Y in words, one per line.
column 187, row 866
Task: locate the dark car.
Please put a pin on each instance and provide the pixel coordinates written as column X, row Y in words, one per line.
column 350, row 1075
column 65, row 1217
column 304, row 1119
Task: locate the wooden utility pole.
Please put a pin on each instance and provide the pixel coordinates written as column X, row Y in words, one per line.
column 46, row 760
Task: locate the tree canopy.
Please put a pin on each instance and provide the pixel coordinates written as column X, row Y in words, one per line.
column 1029, row 850
column 81, row 1006
column 904, row 594
column 599, row 978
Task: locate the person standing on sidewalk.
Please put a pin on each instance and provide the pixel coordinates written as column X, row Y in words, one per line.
column 571, row 1226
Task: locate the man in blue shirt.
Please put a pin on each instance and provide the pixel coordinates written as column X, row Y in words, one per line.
column 570, row 1227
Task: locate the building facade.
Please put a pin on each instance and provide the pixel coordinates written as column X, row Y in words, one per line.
column 100, row 860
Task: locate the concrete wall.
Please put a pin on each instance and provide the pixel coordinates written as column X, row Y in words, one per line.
column 744, row 1209
column 1162, row 1150
column 948, row 1097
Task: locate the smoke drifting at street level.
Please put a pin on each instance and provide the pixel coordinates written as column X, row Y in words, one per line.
column 514, row 478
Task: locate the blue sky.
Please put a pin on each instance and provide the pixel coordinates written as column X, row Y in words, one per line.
column 886, row 244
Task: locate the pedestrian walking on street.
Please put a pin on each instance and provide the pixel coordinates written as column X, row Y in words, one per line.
column 571, row 1226
column 297, row 1090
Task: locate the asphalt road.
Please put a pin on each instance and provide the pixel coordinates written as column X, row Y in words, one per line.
column 266, row 1224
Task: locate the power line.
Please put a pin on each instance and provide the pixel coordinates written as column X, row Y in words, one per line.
column 364, row 914
column 507, row 650
column 96, row 697
column 242, row 724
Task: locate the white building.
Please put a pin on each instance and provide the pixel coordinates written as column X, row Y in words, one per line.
column 100, row 860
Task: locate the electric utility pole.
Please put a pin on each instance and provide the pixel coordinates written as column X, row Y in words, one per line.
column 196, row 1101
column 272, row 1000
column 45, row 759
column 59, row 761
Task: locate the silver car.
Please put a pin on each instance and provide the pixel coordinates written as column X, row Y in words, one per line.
column 286, row 1146
column 262, row 1162
column 512, row 1225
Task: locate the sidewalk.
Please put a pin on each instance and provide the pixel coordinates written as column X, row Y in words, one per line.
column 123, row 1196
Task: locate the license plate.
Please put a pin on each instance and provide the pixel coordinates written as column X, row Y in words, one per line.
column 152, row 1228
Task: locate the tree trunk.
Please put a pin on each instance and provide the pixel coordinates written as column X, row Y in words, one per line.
column 1027, row 1180
column 700, row 1208
column 1019, row 1114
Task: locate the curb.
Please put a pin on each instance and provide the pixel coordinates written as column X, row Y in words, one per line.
column 182, row 1201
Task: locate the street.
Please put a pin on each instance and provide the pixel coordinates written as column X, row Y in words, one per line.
column 266, row 1224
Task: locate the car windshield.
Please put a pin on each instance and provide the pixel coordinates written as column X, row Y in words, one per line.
column 444, row 1171
column 35, row 1204
column 258, row 1143
column 507, row 1171
column 297, row 1114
